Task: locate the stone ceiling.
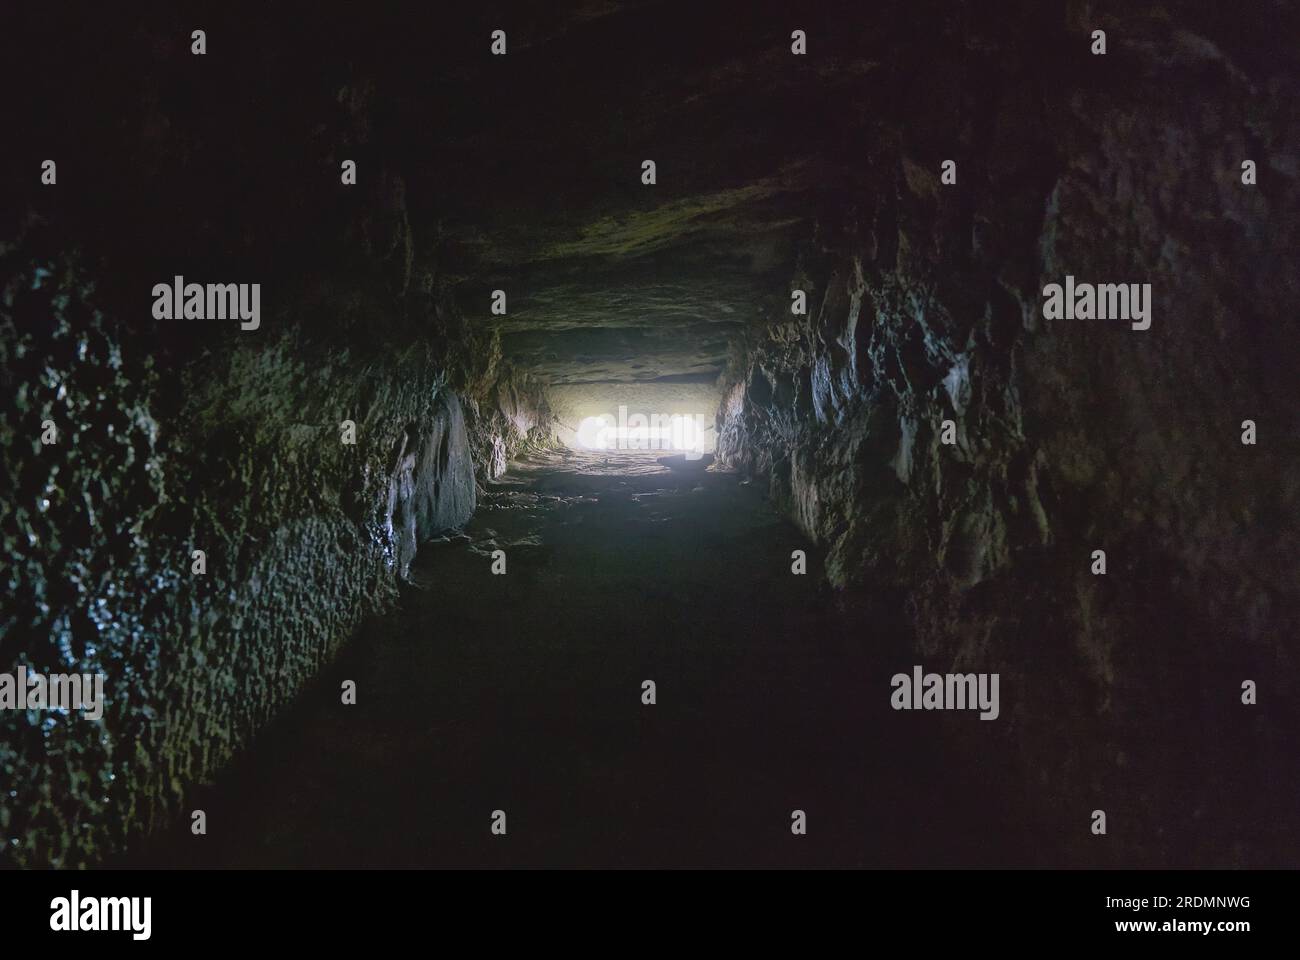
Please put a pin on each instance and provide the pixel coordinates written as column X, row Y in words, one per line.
column 531, row 179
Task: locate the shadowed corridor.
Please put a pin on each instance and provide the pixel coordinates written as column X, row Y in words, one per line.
column 522, row 692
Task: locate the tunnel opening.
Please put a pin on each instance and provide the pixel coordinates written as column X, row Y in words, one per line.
column 637, row 419
column 653, row 432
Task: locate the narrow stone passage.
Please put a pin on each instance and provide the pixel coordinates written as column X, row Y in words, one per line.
column 992, row 314
column 523, row 692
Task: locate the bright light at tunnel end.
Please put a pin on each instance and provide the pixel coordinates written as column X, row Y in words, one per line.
column 639, row 431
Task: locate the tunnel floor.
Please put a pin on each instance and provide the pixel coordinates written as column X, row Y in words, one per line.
column 523, row 693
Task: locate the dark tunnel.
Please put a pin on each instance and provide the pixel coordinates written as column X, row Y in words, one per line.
column 651, row 433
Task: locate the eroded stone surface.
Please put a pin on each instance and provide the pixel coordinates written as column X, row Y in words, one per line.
column 775, row 173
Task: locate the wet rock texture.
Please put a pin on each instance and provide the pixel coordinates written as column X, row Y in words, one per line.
column 241, row 455
column 175, row 437
column 1071, row 435
column 775, row 172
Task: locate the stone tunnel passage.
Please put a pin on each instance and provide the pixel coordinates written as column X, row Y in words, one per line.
column 523, row 692
column 840, row 276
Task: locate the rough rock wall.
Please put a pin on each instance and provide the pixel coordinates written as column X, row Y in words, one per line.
column 1071, row 435
column 240, row 454
column 509, row 418
column 184, row 435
